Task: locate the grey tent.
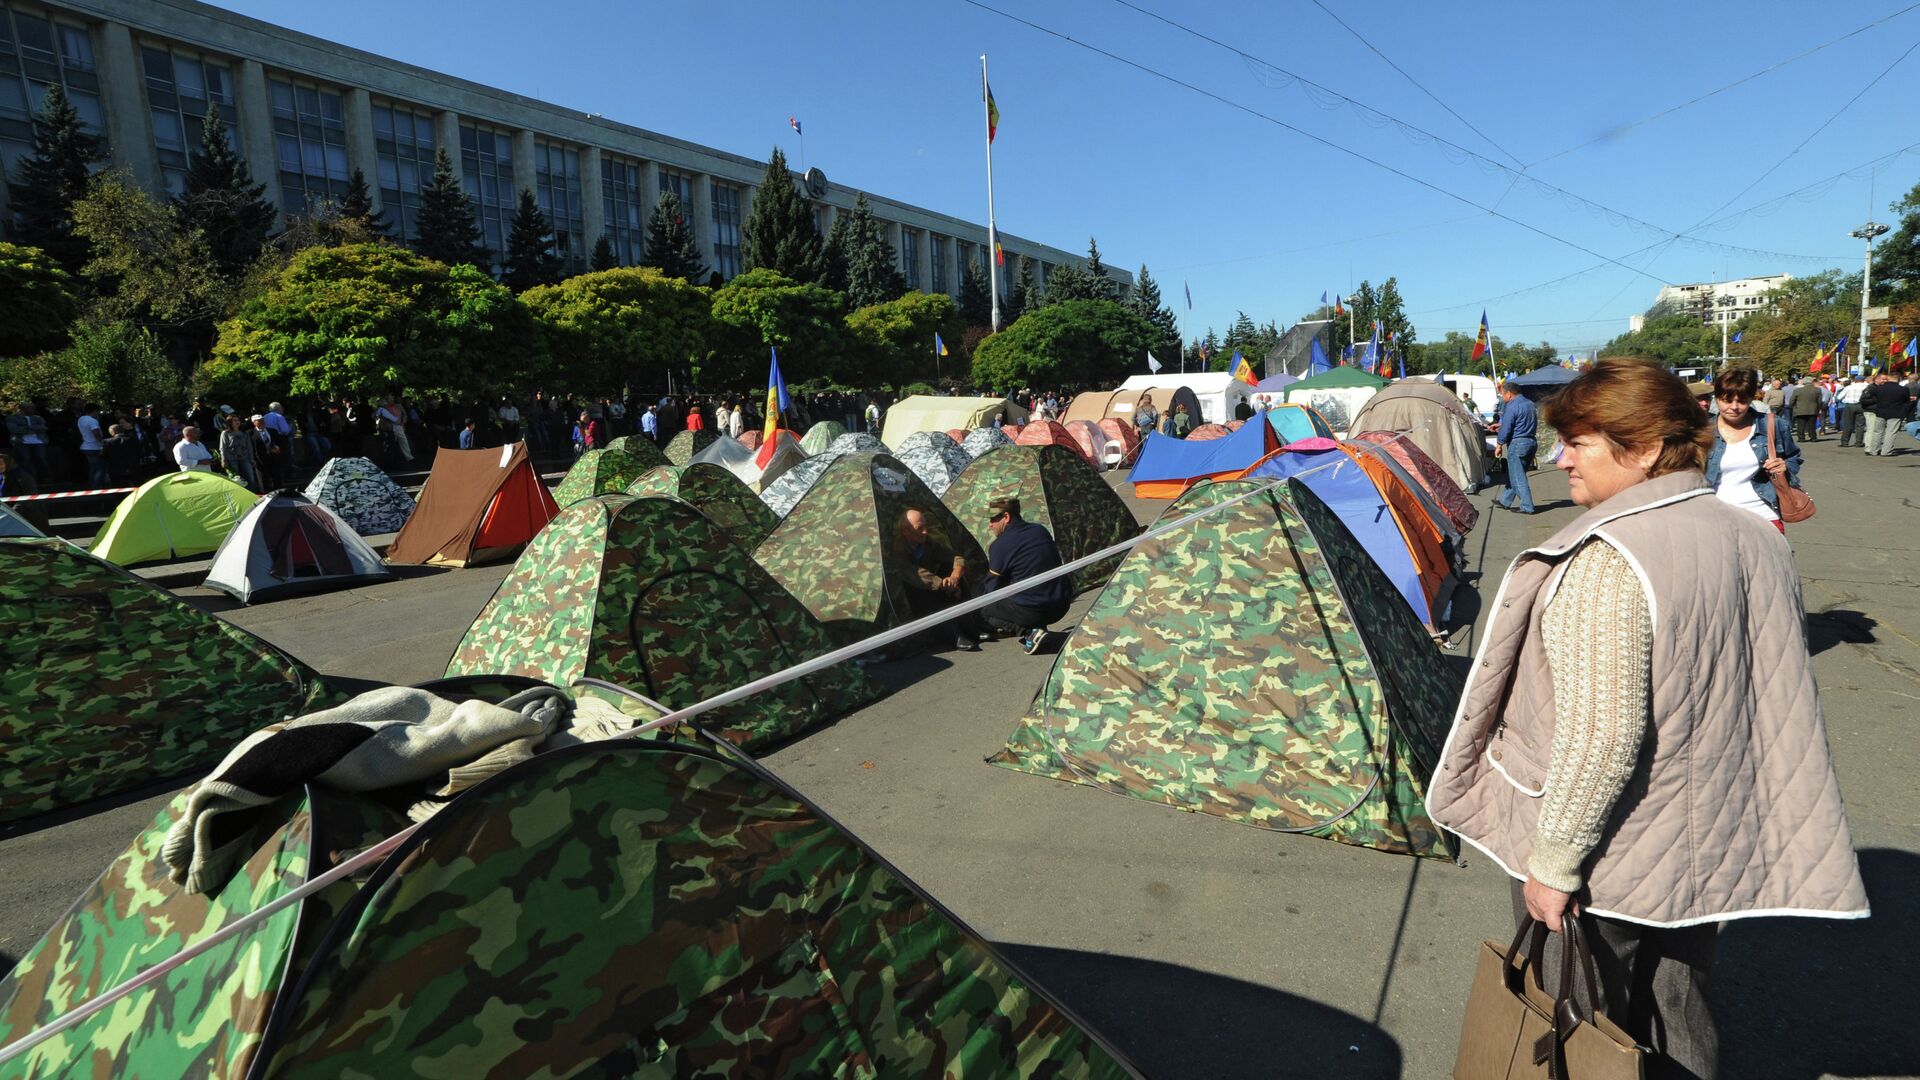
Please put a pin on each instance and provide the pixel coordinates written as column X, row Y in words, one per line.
column 365, row 498
column 934, row 457
column 288, row 545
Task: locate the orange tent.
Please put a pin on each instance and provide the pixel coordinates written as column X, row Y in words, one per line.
column 1052, row 433
column 1209, row 431
column 477, row 506
column 751, row 438
column 1124, row 433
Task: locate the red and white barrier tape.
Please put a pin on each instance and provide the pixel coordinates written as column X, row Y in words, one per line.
column 66, row 494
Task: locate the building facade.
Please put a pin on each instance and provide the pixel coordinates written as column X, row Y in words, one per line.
column 305, row 113
column 1717, row 302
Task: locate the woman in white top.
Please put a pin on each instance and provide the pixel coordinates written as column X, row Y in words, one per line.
column 1750, row 448
column 735, row 422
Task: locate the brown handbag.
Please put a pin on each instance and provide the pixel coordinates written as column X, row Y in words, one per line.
column 1795, row 504
column 1514, row 1029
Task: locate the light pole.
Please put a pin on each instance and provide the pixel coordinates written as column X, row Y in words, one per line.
column 1866, row 232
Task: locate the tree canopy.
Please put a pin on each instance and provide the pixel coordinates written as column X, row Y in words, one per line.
column 448, row 231
column 761, row 309
column 221, row 201
column 1072, row 343
column 1896, row 258
column 606, row 329
column 530, row 259
column 37, row 295
column 52, row 178
column 672, row 248
column 779, row 233
column 873, row 267
column 369, row 317
column 895, row 339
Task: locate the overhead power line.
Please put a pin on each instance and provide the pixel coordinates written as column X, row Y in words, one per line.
column 1416, row 83
column 1621, row 129
column 1272, row 75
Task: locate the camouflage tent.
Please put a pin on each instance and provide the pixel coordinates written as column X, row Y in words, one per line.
column 936, row 459
column 821, row 435
column 111, row 682
column 1056, row 489
column 366, row 499
column 837, row 550
column 855, row 442
column 718, row 494
column 599, row 472
column 619, row 908
column 681, row 448
column 784, row 494
column 650, row 594
column 981, row 440
column 641, row 447
column 1254, row 665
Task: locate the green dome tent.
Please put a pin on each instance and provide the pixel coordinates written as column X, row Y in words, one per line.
column 717, row 493
column 1254, row 665
column 641, row 447
column 600, row 472
column 1056, row 489
column 837, row 549
column 624, row 907
column 821, row 435
column 172, row 516
column 111, row 682
column 650, row 594
column 681, row 448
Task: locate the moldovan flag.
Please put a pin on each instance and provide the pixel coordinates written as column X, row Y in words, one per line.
column 1820, row 358
column 794, row 123
column 993, row 111
column 1243, row 370
column 777, row 400
column 1484, row 342
column 999, row 254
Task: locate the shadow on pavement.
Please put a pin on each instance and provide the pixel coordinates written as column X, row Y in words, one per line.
column 1804, row 998
column 1838, row 626
column 1175, row 1021
column 87, row 809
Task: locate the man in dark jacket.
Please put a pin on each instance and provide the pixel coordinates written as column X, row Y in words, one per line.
column 1886, row 404
column 1803, row 404
column 1021, row 550
column 933, row 575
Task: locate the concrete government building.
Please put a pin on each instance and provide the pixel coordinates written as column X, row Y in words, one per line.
column 306, row 112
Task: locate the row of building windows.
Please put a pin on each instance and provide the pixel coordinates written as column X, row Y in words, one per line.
column 312, row 161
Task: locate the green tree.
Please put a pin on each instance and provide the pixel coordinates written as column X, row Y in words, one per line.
column 356, row 206
column 976, row 303
column 221, row 202
column 150, row 266
column 1392, row 313
column 1074, row 343
column 530, row 257
column 672, row 248
column 52, row 178
column 372, row 317
column 873, row 268
column 1144, row 301
column 779, row 233
column 1087, row 282
column 1666, row 340
column 895, row 339
column 1805, row 315
column 834, row 254
column 603, row 256
column 628, row 326
column 1896, row 258
column 760, row 309
column 117, row 360
column 449, row 231
column 37, row 295
column 1024, row 296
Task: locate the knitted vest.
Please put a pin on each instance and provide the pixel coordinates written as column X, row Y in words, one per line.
column 1733, row 808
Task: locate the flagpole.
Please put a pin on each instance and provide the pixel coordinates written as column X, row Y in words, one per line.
column 993, row 232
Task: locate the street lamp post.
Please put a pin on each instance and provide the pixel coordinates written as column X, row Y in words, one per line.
column 1866, row 232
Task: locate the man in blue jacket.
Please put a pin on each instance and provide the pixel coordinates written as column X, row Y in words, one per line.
column 1519, row 428
column 1021, row 550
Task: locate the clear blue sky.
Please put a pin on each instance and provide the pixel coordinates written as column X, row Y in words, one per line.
column 1253, row 216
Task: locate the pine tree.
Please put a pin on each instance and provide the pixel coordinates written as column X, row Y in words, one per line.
column 357, row 206
column 1102, row 284
column 976, row 305
column 670, row 242
column 603, row 256
column 779, row 233
column 1024, row 296
column 52, row 179
column 1144, row 301
column 530, row 257
column 833, row 255
column 222, row 201
column 448, row 231
column 873, row 269
column 1392, row 313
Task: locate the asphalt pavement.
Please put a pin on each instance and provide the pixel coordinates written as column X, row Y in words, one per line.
column 1205, row 948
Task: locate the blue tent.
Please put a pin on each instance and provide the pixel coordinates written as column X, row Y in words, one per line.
column 1274, row 384
column 1543, row 382
column 1352, row 495
column 1292, row 421
column 1167, row 465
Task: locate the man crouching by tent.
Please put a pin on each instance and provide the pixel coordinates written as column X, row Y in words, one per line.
column 937, row 577
column 1022, row 549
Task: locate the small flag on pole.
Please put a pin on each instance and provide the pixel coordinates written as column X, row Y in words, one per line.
column 777, row 400
column 1152, row 364
column 1337, row 309
column 1189, row 290
column 1319, row 361
column 1243, row 370
column 1912, row 350
column 993, row 112
column 1203, row 350
column 999, row 254
column 1483, row 343
column 795, row 125
column 939, row 347
column 1323, row 298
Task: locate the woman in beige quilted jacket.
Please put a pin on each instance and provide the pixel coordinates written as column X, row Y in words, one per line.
column 1640, row 736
